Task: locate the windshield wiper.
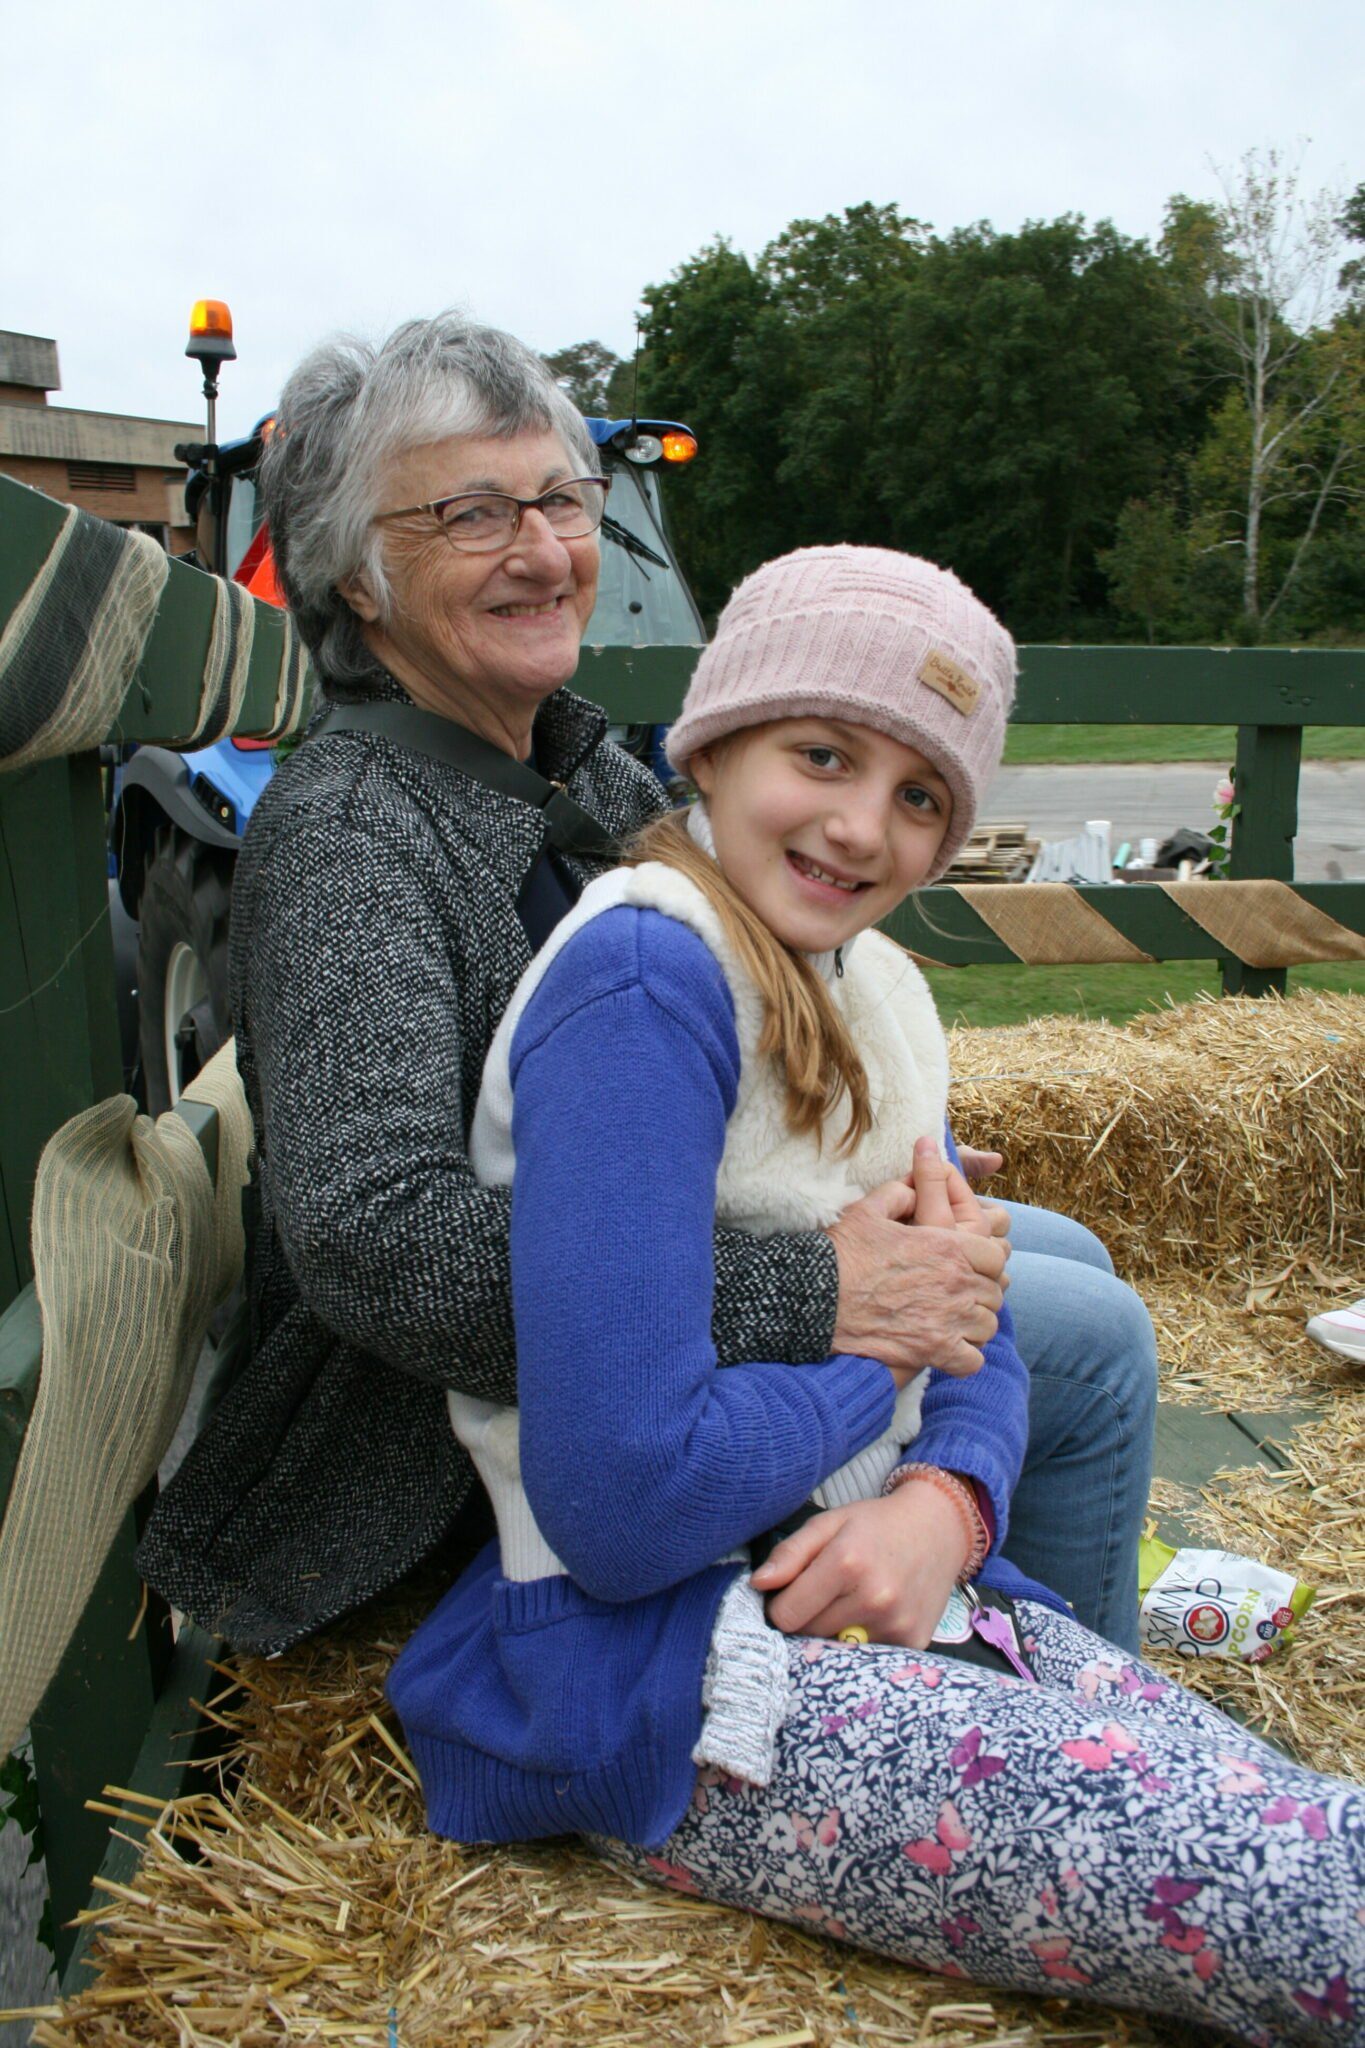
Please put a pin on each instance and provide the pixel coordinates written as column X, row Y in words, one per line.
column 631, row 542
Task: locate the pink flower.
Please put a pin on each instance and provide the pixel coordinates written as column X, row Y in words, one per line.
column 1096, row 1756
column 1053, row 1952
column 1224, row 794
column 674, row 1875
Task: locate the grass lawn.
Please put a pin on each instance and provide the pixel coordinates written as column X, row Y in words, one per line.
column 1010, row 994
column 1218, row 743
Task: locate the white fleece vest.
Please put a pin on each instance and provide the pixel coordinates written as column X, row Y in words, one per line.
column 769, row 1179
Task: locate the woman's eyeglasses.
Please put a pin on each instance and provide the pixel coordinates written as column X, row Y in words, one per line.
column 480, row 522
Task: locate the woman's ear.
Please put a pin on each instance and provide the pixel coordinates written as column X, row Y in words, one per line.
column 356, row 590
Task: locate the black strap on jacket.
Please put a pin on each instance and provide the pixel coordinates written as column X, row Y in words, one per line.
column 568, row 827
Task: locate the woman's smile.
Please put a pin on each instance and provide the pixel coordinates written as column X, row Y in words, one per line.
column 528, row 611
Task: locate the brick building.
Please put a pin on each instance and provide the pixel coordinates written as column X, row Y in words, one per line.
column 120, row 467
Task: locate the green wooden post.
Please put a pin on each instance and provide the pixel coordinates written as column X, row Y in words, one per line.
column 58, row 1020
column 1266, row 785
column 90, row 1728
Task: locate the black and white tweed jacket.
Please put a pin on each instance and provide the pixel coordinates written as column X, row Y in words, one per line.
column 375, row 945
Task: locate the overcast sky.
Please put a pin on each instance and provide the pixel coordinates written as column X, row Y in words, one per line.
column 323, row 164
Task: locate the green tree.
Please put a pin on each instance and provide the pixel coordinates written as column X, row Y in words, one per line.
column 585, row 370
column 1351, row 221
column 1148, row 568
column 840, row 285
column 1039, row 373
column 718, row 355
column 1263, row 305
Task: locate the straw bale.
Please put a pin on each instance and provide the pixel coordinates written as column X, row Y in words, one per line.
column 299, row 1898
column 1219, row 1151
column 1221, row 1136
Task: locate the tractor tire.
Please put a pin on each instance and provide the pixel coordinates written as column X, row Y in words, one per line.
column 182, row 964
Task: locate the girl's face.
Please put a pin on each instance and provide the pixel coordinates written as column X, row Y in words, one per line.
column 822, row 827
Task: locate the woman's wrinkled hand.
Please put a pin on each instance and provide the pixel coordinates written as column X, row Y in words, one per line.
column 887, row 1564
column 915, row 1298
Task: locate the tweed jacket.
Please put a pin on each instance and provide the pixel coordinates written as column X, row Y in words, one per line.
column 375, row 945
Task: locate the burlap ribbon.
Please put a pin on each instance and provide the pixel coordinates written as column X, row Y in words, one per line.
column 228, row 665
column 1265, row 924
column 133, row 1248
column 1260, row 923
column 73, row 642
column 71, row 648
column 1047, row 924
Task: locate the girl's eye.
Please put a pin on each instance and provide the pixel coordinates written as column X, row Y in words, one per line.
column 821, row 757
column 919, row 798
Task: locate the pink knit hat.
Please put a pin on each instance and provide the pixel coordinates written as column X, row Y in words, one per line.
column 870, row 636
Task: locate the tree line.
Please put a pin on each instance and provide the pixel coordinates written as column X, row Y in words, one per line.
column 1108, row 440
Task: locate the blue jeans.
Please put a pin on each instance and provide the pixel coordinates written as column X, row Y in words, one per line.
column 1087, row 1341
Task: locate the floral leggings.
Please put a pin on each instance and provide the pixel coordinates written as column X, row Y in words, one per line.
column 1104, row 1834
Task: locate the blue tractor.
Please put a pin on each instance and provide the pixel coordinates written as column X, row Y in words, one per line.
column 177, row 820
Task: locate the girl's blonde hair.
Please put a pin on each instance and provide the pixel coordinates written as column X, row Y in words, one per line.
column 802, row 1031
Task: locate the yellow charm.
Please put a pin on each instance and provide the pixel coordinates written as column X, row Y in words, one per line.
column 855, row 1633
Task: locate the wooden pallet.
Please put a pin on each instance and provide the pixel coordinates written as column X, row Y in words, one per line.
column 995, row 853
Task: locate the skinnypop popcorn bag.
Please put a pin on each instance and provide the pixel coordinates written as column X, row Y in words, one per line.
column 1212, row 1603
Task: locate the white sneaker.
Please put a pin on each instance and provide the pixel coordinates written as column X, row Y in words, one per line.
column 1342, row 1330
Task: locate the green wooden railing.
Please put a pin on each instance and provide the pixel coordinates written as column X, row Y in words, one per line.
column 1268, row 694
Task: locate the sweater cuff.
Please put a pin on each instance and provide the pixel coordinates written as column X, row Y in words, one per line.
column 776, row 1297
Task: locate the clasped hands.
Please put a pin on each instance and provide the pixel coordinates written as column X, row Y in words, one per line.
column 929, row 1295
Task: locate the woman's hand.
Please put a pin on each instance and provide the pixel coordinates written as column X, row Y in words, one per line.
column 909, row 1298
column 887, row 1564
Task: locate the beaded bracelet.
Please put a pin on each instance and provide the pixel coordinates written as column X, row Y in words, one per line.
column 959, row 1493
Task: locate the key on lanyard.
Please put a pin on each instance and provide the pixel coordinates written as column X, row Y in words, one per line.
column 994, row 1628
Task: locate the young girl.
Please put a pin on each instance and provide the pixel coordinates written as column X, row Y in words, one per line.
column 717, row 1031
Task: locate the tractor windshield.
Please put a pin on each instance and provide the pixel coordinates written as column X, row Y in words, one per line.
column 642, row 600
column 242, row 521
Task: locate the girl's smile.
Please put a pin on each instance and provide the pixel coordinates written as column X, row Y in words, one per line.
column 822, row 826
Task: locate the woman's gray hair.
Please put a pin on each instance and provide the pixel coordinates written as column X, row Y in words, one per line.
column 345, row 413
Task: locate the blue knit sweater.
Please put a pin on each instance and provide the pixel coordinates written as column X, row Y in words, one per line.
column 573, row 1704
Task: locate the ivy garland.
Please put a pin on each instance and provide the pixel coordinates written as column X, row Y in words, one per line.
column 19, row 1804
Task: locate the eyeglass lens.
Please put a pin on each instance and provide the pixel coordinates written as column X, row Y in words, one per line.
column 486, row 519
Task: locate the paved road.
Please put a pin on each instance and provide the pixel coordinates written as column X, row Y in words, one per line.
column 1152, row 799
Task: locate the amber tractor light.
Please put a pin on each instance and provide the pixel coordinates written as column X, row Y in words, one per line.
column 211, row 332
column 210, row 344
column 679, row 447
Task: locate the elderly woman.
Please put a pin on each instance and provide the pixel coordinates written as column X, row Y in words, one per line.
column 434, row 506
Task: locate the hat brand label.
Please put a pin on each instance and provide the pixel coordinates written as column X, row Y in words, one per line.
column 938, row 672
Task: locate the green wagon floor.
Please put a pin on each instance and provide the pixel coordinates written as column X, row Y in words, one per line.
column 1192, row 1444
